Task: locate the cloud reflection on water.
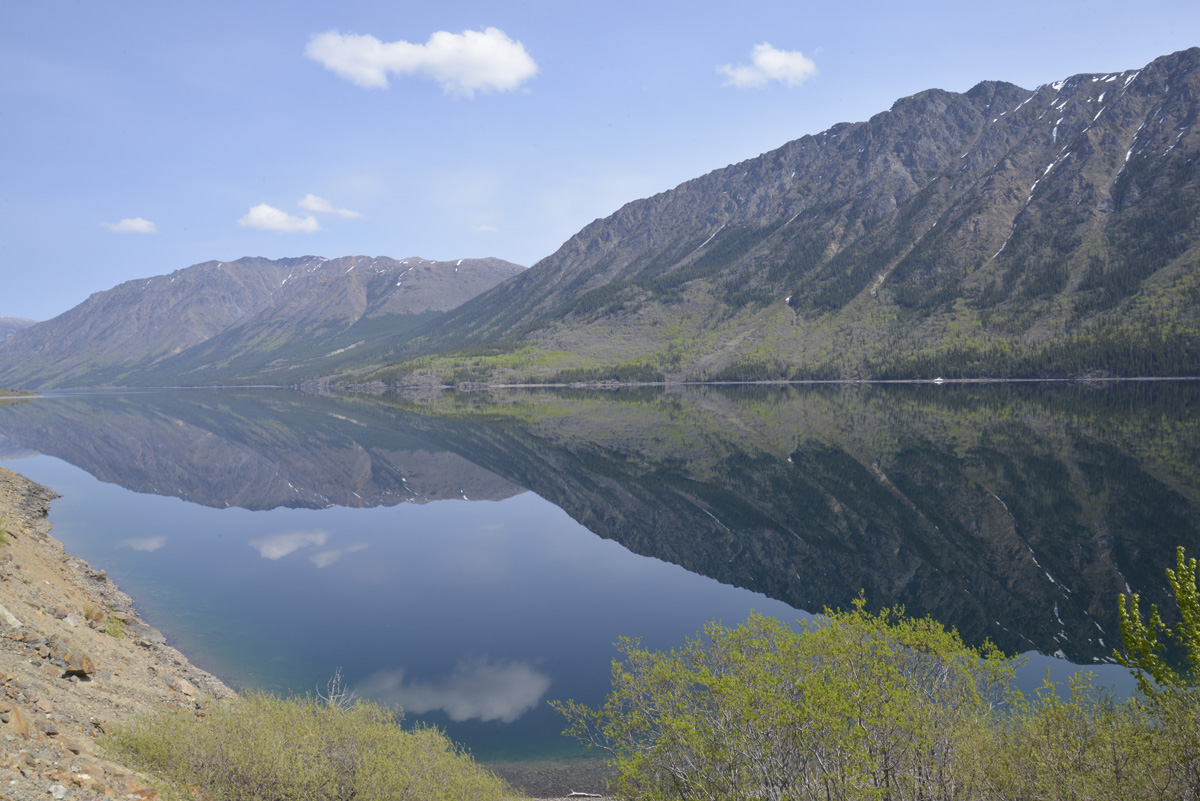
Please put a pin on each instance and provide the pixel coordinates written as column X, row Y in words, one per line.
column 149, row 544
column 277, row 546
column 477, row 688
column 327, row 558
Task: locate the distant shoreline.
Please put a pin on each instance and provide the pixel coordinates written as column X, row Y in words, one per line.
column 476, row 386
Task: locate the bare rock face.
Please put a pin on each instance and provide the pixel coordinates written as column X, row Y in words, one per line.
column 255, row 314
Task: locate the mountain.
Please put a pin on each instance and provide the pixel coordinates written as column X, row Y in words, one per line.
column 11, row 325
column 250, row 320
column 1002, row 231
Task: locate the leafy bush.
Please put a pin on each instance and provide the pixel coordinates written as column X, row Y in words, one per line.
column 863, row 706
column 854, row 706
column 263, row 747
column 1079, row 744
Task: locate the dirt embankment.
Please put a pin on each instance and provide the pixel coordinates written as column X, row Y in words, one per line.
column 75, row 658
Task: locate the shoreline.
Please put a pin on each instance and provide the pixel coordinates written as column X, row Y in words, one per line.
column 76, row 658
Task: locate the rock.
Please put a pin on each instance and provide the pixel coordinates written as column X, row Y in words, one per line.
column 73, row 661
column 79, row 664
column 145, row 635
column 19, row 724
column 8, row 619
column 47, row 727
column 57, row 791
column 183, row 687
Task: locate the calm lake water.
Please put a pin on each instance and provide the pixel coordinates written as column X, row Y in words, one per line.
column 473, row 556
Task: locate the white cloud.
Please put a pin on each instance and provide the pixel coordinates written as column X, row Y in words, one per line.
column 132, row 225
column 268, row 218
column 789, row 67
column 149, row 544
column 479, row 689
column 277, row 546
column 485, row 229
column 461, row 63
column 319, row 205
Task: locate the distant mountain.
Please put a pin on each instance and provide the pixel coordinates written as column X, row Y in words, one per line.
column 1004, row 231
column 250, row 320
column 11, row 325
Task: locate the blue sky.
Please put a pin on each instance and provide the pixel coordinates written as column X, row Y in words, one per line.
column 142, row 137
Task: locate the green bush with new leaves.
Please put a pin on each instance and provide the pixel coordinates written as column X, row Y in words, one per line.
column 857, row 705
column 879, row 706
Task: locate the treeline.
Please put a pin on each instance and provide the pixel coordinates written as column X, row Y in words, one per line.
column 1117, row 352
column 621, row 373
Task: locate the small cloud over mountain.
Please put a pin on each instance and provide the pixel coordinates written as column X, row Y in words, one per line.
column 768, row 64
column 268, row 218
column 319, row 205
column 461, row 63
column 132, row 225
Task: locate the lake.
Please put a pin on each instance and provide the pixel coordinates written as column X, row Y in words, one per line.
column 472, row 556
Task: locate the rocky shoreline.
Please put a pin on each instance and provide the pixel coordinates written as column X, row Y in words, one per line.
column 75, row 658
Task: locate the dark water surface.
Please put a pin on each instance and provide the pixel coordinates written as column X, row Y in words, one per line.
column 472, row 556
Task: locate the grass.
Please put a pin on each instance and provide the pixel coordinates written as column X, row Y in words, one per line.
column 269, row 748
column 115, row 627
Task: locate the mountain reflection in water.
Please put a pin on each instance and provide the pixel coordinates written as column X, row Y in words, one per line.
column 1012, row 512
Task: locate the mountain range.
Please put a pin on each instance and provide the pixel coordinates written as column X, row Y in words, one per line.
column 247, row 321
column 998, row 232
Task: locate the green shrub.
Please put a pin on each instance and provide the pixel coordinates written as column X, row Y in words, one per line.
column 1083, row 743
column 263, row 747
column 853, row 706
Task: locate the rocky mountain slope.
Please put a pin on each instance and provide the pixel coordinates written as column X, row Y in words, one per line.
column 75, row 659
column 11, row 325
column 1003, row 231
column 248, row 320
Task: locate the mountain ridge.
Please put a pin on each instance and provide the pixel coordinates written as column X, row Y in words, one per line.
column 154, row 330
column 999, row 218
